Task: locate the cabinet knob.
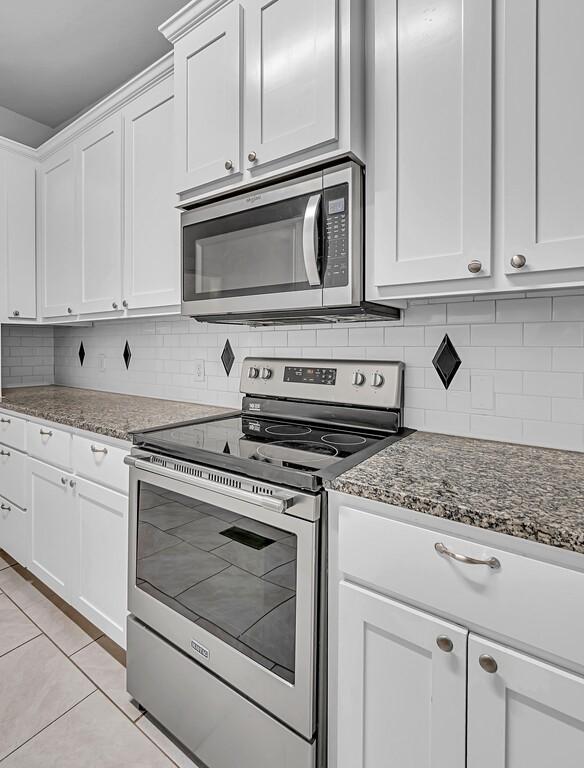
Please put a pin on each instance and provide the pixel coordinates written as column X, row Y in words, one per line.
column 63, row 481
column 444, row 643
column 69, row 311
column 475, row 266
column 16, row 313
column 72, row 483
column 114, row 304
column 252, row 157
column 488, row 663
column 125, row 304
column 228, row 165
column 518, row 261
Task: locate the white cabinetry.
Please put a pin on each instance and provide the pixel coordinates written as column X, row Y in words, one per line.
column 59, row 228
column 401, row 700
column 100, row 178
column 152, row 224
column 101, row 569
column 17, row 233
column 208, row 76
column 52, row 517
column 14, row 531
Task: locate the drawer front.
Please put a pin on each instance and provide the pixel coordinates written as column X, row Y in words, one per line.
column 12, row 476
column 12, row 431
column 104, row 464
column 14, row 531
column 523, row 599
column 49, row 444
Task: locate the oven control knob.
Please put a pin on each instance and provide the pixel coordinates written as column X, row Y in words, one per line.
column 377, row 380
column 358, row 378
column 253, row 372
column 266, row 373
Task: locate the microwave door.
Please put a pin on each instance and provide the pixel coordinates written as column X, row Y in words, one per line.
column 267, row 256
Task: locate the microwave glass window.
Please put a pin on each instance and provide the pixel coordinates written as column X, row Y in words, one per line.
column 257, row 251
column 233, row 576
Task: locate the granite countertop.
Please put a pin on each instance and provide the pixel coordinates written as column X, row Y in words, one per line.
column 105, row 413
column 531, row 493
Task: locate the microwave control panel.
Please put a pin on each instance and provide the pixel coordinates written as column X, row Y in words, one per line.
column 336, row 236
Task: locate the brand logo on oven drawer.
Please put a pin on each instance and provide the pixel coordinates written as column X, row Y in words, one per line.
column 200, row 650
column 253, row 199
column 255, row 406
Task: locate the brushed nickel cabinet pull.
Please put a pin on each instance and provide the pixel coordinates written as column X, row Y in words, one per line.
column 46, row 432
column 95, row 449
column 442, row 549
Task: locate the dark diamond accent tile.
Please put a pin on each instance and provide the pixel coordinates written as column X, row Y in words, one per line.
column 81, row 353
column 127, row 355
column 227, row 357
column 446, row 361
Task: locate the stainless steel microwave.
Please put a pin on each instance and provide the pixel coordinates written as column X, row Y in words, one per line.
column 289, row 252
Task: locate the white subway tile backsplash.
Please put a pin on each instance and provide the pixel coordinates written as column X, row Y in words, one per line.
column 522, row 361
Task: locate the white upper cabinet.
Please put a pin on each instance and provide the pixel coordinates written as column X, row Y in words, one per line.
column 522, row 712
column 100, row 201
column 543, row 130
column 59, row 246
column 208, row 72
column 291, row 77
column 429, row 141
column 17, row 228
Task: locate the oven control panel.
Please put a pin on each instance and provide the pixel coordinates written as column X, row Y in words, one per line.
column 371, row 383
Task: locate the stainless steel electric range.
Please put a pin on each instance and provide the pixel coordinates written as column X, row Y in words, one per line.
column 227, row 585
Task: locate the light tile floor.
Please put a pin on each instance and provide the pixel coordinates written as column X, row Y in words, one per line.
column 63, row 699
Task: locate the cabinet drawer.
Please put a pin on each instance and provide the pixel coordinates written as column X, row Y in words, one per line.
column 101, row 463
column 49, row 444
column 12, row 476
column 12, row 431
column 523, row 600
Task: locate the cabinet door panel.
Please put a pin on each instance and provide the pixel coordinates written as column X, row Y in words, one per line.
column 152, row 249
column 291, row 76
column 401, row 700
column 544, row 124
column 525, row 714
column 14, row 531
column 51, row 527
column 19, row 174
column 101, row 549
column 100, row 195
column 430, row 138
column 208, row 75
column 59, row 235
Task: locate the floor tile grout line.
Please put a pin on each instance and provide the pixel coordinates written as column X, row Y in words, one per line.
column 20, row 645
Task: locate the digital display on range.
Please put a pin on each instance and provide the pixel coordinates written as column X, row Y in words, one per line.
column 302, row 375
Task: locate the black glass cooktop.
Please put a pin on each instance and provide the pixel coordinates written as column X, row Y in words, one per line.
column 260, row 445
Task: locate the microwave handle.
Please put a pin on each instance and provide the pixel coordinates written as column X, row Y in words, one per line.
column 310, row 240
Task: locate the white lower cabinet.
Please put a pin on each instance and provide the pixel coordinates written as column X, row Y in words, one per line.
column 52, row 515
column 100, row 577
column 14, row 531
column 526, row 713
column 401, row 700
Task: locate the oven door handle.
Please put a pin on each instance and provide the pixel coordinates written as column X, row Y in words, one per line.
column 310, row 240
column 277, row 503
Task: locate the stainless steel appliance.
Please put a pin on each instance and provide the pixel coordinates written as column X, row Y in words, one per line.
column 290, row 251
column 227, row 585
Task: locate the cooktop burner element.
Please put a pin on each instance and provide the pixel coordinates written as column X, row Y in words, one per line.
column 341, row 439
column 288, row 429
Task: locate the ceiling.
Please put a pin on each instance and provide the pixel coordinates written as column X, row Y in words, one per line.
column 58, row 57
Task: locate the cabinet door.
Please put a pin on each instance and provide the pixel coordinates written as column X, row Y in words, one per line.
column 59, row 244
column 291, row 77
column 429, row 141
column 100, row 202
column 51, row 513
column 19, row 231
column 401, row 700
column 527, row 713
column 152, row 248
column 13, row 531
column 544, row 125
column 101, row 551
column 208, row 72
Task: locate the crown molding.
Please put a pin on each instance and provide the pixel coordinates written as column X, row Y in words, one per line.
column 190, row 17
column 142, row 82
column 16, row 148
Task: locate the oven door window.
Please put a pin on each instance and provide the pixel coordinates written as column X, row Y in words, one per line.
column 231, row 575
column 256, row 251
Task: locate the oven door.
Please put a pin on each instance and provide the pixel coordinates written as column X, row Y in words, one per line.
column 231, row 580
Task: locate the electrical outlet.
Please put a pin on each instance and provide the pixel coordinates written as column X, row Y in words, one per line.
column 101, row 363
column 199, row 370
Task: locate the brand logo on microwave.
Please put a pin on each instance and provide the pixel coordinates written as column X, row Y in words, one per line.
column 253, row 199
column 200, row 650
